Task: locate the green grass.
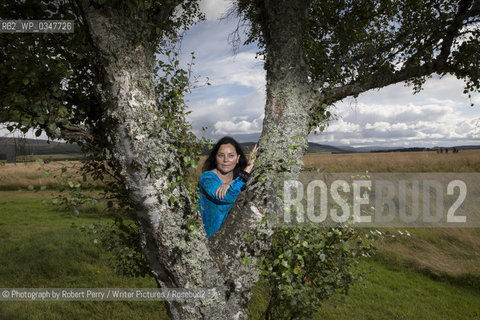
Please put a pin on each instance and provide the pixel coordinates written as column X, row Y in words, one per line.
column 387, row 293
column 42, row 246
column 447, row 254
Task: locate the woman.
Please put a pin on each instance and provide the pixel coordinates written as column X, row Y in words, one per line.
column 226, row 171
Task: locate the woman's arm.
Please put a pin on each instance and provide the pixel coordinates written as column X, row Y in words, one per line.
column 222, row 190
column 209, row 184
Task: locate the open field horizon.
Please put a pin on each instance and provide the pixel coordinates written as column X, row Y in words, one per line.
column 441, row 265
column 21, row 175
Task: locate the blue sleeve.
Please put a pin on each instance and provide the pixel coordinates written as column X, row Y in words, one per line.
column 209, row 182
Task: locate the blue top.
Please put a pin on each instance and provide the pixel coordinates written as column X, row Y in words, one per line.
column 214, row 211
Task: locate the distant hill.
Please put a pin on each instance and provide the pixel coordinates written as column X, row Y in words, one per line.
column 374, row 149
column 414, row 149
column 44, row 147
column 467, row 147
column 317, row 148
column 40, row 147
column 312, row 147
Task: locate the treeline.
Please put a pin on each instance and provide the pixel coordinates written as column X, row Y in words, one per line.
column 37, row 147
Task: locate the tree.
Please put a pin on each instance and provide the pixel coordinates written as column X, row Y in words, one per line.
column 320, row 52
column 316, row 53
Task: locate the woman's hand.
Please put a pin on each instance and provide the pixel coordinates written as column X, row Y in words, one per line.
column 222, row 191
column 251, row 159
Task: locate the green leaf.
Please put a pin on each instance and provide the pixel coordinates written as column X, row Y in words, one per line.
column 245, row 261
column 20, row 99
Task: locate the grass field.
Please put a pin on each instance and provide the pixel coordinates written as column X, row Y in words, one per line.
column 21, row 175
column 392, row 293
column 44, row 247
column 14, row 176
column 425, row 161
column 41, row 246
column 432, row 274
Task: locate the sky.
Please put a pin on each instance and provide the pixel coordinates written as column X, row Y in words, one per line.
column 233, row 104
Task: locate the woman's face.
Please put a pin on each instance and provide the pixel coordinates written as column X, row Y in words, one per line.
column 227, row 158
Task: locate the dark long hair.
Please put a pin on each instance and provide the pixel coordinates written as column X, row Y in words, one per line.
column 211, row 162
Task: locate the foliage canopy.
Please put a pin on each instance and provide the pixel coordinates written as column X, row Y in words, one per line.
column 370, row 44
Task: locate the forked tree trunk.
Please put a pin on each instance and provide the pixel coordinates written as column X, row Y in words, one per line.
column 177, row 257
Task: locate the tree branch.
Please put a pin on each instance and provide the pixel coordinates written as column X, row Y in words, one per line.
column 384, row 76
column 454, row 29
column 71, row 132
column 164, row 11
column 380, row 79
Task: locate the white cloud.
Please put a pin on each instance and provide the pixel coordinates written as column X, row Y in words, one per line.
column 476, row 99
column 240, row 127
column 215, row 9
column 239, row 118
column 465, row 127
column 342, row 126
column 241, row 69
column 426, row 124
column 223, row 102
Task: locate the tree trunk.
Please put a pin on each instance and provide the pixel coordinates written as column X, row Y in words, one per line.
column 289, row 94
column 247, row 230
column 177, row 257
column 285, row 128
